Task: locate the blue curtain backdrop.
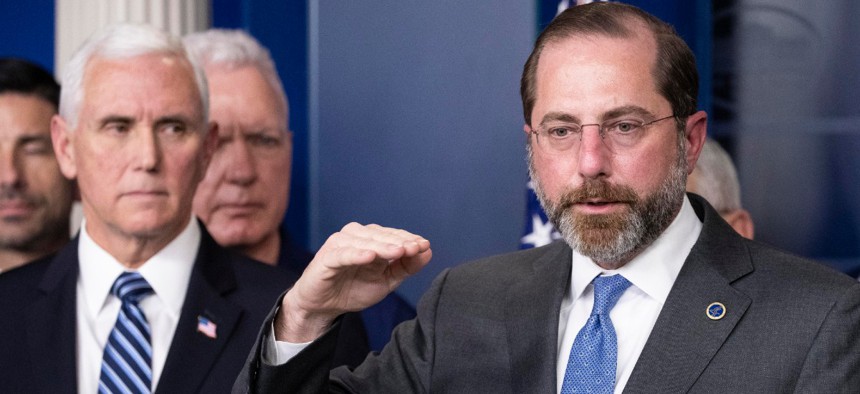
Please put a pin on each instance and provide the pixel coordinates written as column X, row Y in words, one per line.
column 27, row 31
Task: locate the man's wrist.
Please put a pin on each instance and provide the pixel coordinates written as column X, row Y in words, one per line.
column 296, row 325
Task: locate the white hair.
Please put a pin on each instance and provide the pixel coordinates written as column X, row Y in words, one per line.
column 716, row 178
column 233, row 49
column 122, row 41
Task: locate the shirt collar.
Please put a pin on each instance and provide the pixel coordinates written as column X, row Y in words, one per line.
column 168, row 271
column 654, row 270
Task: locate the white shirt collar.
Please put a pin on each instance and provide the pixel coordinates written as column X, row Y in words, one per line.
column 168, row 271
column 654, row 270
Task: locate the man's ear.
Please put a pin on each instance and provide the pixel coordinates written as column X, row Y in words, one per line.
column 741, row 221
column 695, row 132
column 64, row 149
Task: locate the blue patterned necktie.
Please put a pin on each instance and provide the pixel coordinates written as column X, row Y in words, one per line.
column 592, row 363
column 127, row 360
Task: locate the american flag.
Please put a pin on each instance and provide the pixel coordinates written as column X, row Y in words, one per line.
column 539, row 230
column 207, row 327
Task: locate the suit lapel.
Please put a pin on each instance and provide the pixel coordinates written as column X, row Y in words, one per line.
column 532, row 336
column 51, row 324
column 192, row 353
column 684, row 338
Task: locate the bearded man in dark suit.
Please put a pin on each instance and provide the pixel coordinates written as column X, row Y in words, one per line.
column 651, row 292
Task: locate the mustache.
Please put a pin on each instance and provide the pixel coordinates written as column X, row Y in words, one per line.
column 598, row 189
column 8, row 193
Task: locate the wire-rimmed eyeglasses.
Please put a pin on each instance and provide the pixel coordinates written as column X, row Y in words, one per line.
column 617, row 134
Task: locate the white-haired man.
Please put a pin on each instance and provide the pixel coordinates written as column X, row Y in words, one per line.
column 716, row 179
column 143, row 299
column 245, row 192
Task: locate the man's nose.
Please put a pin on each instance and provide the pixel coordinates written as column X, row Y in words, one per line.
column 10, row 171
column 594, row 155
column 241, row 167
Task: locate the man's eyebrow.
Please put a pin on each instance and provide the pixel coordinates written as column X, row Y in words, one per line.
column 626, row 110
column 264, row 131
column 40, row 137
column 115, row 119
column 559, row 117
column 611, row 114
column 172, row 119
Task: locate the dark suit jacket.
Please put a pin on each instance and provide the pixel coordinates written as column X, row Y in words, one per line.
column 491, row 326
column 38, row 309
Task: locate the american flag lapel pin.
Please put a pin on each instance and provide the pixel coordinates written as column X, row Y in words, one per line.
column 207, row 327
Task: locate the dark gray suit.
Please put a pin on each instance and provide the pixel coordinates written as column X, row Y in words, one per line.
column 491, row 326
column 38, row 323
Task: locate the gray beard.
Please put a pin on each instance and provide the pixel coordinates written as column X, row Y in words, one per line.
column 614, row 239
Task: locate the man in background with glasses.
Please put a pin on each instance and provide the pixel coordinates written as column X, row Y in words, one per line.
column 651, row 291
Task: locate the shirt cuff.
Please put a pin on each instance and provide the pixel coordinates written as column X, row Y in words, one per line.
column 277, row 352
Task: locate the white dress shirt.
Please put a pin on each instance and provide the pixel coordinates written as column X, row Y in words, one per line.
column 652, row 274
column 168, row 272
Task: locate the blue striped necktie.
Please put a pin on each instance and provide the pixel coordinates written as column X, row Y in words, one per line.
column 593, row 356
column 127, row 360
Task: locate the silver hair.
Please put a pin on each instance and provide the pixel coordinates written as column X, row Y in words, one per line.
column 122, row 41
column 233, row 49
column 716, row 178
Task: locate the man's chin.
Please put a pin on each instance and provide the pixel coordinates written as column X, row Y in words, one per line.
column 227, row 236
column 601, row 237
column 607, row 252
column 601, row 223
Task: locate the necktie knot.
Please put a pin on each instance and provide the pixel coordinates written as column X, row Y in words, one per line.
column 607, row 291
column 131, row 287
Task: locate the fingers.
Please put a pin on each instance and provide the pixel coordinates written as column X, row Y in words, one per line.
column 386, row 243
column 355, row 268
column 409, row 266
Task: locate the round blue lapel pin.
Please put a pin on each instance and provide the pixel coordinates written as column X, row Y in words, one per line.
column 716, row 311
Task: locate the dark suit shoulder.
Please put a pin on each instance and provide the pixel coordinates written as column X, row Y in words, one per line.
column 264, row 277
column 760, row 269
column 797, row 274
column 31, row 269
column 18, row 284
column 512, row 266
column 478, row 286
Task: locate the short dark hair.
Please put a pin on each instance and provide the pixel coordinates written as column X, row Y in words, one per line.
column 24, row 77
column 674, row 72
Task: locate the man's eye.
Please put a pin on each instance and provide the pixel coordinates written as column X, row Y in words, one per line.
column 174, row 128
column 224, row 141
column 264, row 140
column 37, row 147
column 119, row 128
column 559, row 132
column 624, row 127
